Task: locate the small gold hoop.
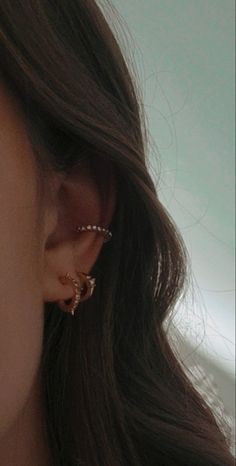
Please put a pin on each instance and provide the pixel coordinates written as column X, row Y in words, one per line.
column 88, row 285
column 83, row 289
column 77, row 294
column 92, row 228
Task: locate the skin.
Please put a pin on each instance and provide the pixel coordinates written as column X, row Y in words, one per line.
column 31, row 260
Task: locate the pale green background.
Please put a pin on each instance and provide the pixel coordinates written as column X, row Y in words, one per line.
column 184, row 54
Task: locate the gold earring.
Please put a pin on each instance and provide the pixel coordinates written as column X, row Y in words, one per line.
column 100, row 229
column 83, row 289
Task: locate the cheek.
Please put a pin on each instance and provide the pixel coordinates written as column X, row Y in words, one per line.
column 21, row 330
column 21, row 300
column 21, row 309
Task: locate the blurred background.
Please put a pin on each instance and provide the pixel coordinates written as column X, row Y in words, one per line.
column 183, row 51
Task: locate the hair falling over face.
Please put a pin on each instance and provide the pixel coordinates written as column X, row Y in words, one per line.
column 114, row 392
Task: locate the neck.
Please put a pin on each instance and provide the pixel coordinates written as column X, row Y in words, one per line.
column 25, row 443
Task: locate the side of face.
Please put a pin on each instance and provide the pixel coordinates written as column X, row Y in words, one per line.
column 33, row 256
column 21, row 303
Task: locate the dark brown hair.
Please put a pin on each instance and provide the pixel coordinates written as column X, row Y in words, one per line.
column 115, row 394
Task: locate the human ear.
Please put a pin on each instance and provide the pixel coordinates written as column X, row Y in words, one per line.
column 86, row 196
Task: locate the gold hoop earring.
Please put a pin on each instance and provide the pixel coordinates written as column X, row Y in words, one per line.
column 91, row 228
column 83, row 289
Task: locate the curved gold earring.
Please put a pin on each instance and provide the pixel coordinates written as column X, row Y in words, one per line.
column 83, row 289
